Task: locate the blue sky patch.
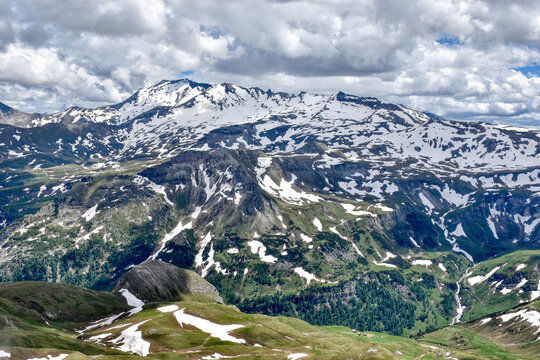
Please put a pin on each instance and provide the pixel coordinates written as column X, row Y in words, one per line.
column 529, row 71
column 449, row 40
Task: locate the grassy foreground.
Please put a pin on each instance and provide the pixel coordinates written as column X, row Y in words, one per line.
column 266, row 338
column 38, row 327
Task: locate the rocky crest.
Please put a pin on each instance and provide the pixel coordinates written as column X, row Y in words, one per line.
column 156, row 280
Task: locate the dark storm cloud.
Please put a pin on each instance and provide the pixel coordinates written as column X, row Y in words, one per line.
column 453, row 57
column 259, row 62
column 34, row 35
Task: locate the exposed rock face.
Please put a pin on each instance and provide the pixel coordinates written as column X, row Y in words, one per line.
column 6, row 322
column 156, row 280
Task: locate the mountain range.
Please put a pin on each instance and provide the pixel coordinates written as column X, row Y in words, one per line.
column 332, row 208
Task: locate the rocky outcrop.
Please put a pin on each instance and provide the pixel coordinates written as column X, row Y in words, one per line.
column 156, row 280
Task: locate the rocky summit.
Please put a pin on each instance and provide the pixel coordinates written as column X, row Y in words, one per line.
column 155, row 281
column 331, row 208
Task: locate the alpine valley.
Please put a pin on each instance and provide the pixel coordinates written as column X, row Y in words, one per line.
column 198, row 221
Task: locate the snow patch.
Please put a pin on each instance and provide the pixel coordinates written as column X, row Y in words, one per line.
column 258, row 247
column 425, row 263
column 474, row 280
column 50, row 357
column 131, row 299
column 177, row 230
column 295, row 356
column 90, row 213
column 506, row 291
column 426, row 203
column 491, row 225
column 263, row 163
column 305, row 238
column 453, row 197
column 199, row 257
column 168, row 308
column 131, row 340
column 485, row 321
column 306, row 275
column 158, row 189
column 317, row 224
column 527, row 227
column 101, row 323
column 215, row 330
column 531, row 316
column 442, row 267
column 521, row 266
column 388, row 256
column 286, row 192
column 459, row 231
column 521, row 283
column 216, row 356
column 384, row 208
column 42, row 188
column 350, row 209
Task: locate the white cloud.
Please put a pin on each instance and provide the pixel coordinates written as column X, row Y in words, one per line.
column 55, row 53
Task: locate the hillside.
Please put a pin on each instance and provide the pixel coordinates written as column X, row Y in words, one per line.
column 203, row 329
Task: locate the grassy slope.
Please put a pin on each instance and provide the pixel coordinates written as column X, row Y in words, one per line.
column 28, row 336
column 41, row 315
column 57, row 304
column 483, row 299
column 26, row 308
column 278, row 337
column 494, row 339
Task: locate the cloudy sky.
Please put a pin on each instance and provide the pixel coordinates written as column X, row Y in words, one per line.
column 460, row 59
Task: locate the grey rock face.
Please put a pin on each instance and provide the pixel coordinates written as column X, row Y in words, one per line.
column 156, row 280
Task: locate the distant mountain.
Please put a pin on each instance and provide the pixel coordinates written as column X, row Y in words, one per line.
column 276, row 199
column 11, row 116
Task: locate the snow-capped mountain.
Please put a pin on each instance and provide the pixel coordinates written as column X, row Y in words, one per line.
column 239, row 183
column 278, row 122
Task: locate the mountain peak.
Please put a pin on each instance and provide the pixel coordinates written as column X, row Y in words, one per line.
column 4, row 108
column 156, row 280
column 11, row 116
column 185, row 81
